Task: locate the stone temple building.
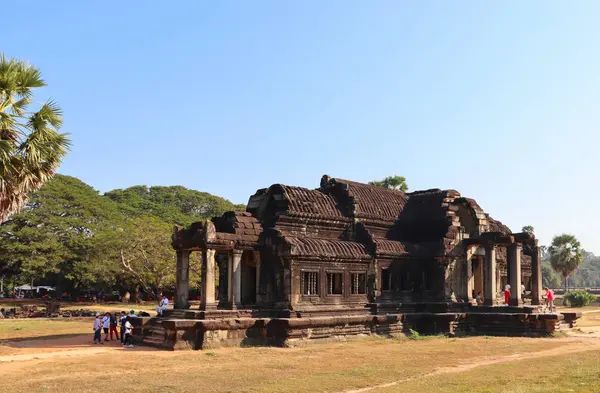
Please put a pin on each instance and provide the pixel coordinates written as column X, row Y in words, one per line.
column 349, row 258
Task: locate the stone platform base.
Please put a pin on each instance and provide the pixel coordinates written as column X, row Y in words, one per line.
column 191, row 333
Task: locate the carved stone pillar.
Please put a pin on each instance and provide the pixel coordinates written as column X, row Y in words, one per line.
column 469, row 283
column 490, row 275
column 514, row 260
column 236, row 278
column 256, row 256
column 182, row 280
column 208, row 280
column 230, row 278
column 536, row 277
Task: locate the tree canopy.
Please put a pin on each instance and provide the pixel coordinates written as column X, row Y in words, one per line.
column 565, row 255
column 71, row 236
column 527, row 229
column 175, row 204
column 31, row 148
column 392, row 182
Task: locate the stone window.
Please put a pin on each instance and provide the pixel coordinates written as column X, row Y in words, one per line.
column 358, row 283
column 386, row 279
column 310, row 283
column 335, row 283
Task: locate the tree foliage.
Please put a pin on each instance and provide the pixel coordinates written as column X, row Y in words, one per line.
column 70, row 236
column 175, row 204
column 392, row 182
column 53, row 232
column 565, row 255
column 527, row 229
column 31, row 148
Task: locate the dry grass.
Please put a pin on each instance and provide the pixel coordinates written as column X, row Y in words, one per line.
column 315, row 368
column 11, row 329
column 576, row 373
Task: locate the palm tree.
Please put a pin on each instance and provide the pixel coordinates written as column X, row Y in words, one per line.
column 392, row 183
column 31, row 148
column 565, row 255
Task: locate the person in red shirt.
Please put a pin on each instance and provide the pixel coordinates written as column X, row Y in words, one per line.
column 550, row 298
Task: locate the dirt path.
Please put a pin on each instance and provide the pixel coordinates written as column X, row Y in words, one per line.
column 68, row 346
column 580, row 343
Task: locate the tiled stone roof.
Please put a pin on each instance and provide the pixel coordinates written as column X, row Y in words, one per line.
column 305, row 246
column 497, row 226
column 311, row 202
column 368, row 201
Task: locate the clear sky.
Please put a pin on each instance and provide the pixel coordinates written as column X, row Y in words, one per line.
column 498, row 100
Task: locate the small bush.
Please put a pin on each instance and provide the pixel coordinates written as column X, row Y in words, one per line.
column 414, row 335
column 578, row 298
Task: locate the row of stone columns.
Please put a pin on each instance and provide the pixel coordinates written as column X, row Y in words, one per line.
column 208, row 300
column 514, row 262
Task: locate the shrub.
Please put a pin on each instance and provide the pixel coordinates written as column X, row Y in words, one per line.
column 578, row 298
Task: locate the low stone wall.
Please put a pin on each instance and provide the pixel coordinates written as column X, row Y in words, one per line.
column 211, row 333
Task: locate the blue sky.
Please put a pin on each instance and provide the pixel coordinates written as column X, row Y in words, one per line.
column 498, row 100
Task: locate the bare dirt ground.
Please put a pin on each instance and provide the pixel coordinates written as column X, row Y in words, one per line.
column 71, row 363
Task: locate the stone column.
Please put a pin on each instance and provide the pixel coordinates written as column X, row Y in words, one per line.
column 230, row 278
column 469, row 280
column 536, row 277
column 182, row 280
column 208, row 280
column 236, row 278
column 514, row 260
column 256, row 256
column 489, row 285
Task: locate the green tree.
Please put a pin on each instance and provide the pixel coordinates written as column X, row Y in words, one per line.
column 174, row 204
column 52, row 235
column 550, row 278
column 392, row 183
column 565, row 255
column 142, row 249
column 31, row 148
column 527, row 229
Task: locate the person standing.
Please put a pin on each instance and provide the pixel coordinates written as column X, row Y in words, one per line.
column 128, row 329
column 113, row 326
column 106, row 325
column 122, row 321
column 97, row 330
column 550, row 298
column 523, row 292
column 506, row 294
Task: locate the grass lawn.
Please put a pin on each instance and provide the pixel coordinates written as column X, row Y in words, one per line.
column 100, row 307
column 332, row 367
column 11, row 329
column 578, row 373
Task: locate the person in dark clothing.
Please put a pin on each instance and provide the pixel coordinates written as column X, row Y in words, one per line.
column 122, row 321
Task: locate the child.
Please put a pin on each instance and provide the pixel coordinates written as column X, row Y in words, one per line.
column 479, row 299
column 97, row 330
column 106, row 325
column 128, row 328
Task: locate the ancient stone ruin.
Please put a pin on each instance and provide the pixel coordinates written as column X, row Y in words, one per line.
column 348, row 259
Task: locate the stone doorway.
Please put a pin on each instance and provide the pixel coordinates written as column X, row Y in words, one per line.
column 477, row 274
column 248, row 284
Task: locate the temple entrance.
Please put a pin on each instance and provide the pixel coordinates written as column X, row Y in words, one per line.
column 248, row 267
column 248, row 284
column 477, row 274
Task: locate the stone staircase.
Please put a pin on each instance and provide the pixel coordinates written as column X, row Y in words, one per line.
column 152, row 333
